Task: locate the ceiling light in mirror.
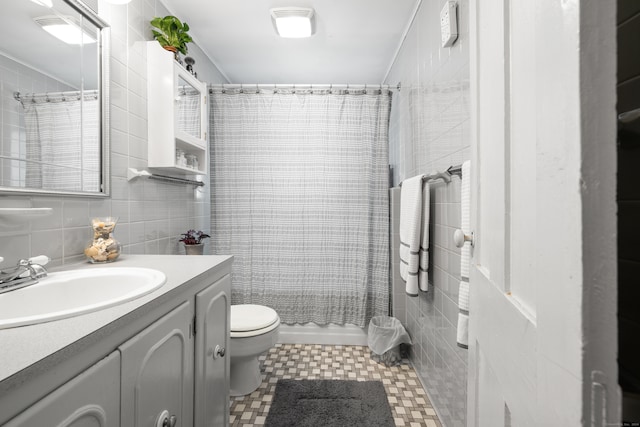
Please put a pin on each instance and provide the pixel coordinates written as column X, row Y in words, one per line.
column 293, row 22
column 65, row 28
column 45, row 3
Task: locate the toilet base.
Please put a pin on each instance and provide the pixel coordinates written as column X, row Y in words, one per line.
column 245, row 376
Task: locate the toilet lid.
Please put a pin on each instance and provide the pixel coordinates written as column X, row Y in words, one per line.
column 251, row 317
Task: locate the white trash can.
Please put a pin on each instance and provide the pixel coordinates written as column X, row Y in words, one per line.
column 385, row 335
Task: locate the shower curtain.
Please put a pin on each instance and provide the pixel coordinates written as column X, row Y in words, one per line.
column 299, row 195
column 62, row 141
column 188, row 116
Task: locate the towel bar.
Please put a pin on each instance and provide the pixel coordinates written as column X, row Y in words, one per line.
column 445, row 176
column 134, row 173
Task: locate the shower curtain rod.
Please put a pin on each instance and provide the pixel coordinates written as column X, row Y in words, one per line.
column 25, row 97
column 299, row 86
column 445, row 176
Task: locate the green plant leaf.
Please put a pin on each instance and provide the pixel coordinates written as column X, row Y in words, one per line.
column 172, row 33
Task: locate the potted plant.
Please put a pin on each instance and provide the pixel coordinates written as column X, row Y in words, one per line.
column 172, row 35
column 192, row 240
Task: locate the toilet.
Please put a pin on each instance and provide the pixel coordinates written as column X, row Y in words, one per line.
column 254, row 330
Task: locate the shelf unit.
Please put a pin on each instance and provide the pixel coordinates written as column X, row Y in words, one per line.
column 166, row 83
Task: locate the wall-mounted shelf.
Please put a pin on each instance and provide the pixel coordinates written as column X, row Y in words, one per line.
column 177, row 114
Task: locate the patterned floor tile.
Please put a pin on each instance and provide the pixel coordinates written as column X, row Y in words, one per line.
column 409, row 403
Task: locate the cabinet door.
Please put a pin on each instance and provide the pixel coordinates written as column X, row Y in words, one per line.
column 92, row 399
column 157, row 371
column 212, row 355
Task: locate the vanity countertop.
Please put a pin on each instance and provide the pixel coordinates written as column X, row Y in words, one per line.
column 29, row 351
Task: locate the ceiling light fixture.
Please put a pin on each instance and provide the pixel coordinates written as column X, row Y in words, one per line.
column 65, row 28
column 118, row 1
column 45, row 3
column 293, row 22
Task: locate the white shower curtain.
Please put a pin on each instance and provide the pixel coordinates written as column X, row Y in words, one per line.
column 299, row 195
column 62, row 141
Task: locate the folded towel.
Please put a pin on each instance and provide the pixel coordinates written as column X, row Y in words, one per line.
column 465, row 217
column 463, row 330
column 423, row 277
column 463, row 292
column 410, row 216
column 463, row 296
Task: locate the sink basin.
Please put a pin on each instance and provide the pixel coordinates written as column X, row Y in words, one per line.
column 71, row 293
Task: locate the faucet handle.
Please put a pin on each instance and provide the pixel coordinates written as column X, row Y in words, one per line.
column 40, row 259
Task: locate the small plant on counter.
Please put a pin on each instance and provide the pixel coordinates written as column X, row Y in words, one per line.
column 193, row 237
column 173, row 34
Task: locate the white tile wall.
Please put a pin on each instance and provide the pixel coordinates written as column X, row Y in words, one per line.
column 152, row 213
column 429, row 130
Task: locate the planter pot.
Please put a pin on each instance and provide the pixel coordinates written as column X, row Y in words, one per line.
column 176, row 56
column 194, row 249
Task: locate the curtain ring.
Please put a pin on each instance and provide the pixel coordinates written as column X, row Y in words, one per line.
column 331, row 88
column 257, row 88
column 241, row 88
column 347, row 90
column 311, row 89
column 223, row 89
column 275, row 88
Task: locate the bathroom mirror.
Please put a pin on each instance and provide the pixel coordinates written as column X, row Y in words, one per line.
column 54, row 57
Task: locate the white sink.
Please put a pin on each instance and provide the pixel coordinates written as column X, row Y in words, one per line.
column 71, row 293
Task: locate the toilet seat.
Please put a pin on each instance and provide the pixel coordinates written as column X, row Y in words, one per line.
column 249, row 320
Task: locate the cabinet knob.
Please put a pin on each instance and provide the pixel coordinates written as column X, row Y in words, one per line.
column 166, row 420
column 459, row 238
column 219, row 352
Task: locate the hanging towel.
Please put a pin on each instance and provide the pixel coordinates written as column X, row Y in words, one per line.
column 463, row 292
column 410, row 217
column 423, row 276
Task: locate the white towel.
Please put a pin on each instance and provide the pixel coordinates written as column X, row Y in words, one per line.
column 463, row 292
column 465, row 217
column 410, row 216
column 463, row 330
column 423, row 277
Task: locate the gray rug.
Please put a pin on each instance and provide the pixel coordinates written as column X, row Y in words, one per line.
column 329, row 403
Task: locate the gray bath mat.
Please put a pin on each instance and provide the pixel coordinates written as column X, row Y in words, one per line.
column 329, row 403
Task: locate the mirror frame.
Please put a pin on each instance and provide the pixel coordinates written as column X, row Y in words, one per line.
column 104, row 54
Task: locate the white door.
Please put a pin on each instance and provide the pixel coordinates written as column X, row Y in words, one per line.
column 528, row 360
column 502, row 329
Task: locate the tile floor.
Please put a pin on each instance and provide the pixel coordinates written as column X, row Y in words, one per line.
column 409, row 403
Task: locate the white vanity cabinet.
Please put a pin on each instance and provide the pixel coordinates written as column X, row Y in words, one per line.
column 157, row 372
column 167, row 360
column 90, row 399
column 212, row 355
column 177, row 115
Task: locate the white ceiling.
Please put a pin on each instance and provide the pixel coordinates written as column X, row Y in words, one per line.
column 355, row 40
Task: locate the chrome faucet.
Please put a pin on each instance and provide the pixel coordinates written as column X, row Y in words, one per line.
column 25, row 273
